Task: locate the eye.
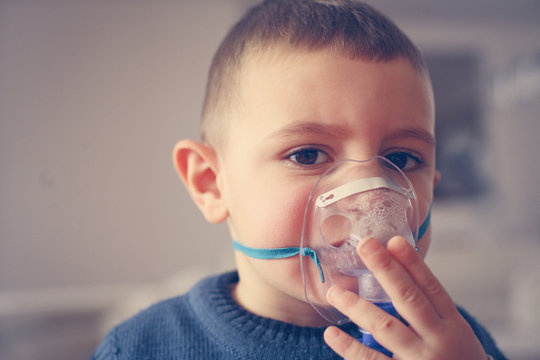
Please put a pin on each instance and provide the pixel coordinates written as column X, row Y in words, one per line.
column 308, row 157
column 405, row 161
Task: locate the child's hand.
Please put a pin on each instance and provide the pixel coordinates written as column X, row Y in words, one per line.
column 436, row 329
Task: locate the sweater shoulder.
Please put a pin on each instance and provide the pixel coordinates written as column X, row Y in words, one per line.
column 485, row 338
column 169, row 329
column 150, row 331
column 157, row 318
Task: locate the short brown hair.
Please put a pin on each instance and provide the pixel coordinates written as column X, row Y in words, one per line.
column 346, row 26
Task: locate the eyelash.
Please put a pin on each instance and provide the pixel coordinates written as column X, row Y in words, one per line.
column 409, row 155
column 292, row 156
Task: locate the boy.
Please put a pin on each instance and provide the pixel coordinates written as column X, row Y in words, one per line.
column 295, row 87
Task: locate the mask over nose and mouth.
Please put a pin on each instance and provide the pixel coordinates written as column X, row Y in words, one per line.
column 351, row 201
column 372, row 209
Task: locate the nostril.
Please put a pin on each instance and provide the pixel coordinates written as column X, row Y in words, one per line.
column 338, row 244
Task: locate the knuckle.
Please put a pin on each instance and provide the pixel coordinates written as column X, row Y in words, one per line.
column 433, row 286
column 355, row 350
column 349, row 347
column 383, row 322
column 370, row 355
column 410, row 295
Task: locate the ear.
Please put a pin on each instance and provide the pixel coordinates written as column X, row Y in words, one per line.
column 436, row 178
column 197, row 166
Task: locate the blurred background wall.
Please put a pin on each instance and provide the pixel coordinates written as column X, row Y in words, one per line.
column 94, row 223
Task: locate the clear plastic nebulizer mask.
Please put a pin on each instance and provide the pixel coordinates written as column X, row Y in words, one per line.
column 353, row 200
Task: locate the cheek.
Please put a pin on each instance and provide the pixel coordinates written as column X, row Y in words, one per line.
column 284, row 217
column 271, row 218
column 423, row 186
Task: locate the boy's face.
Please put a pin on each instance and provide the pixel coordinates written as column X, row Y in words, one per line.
column 295, row 115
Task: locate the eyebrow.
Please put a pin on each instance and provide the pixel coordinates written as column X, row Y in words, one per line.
column 313, row 128
column 417, row 133
column 310, row 128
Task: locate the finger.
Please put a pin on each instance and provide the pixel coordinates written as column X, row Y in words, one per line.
column 413, row 263
column 410, row 301
column 389, row 331
column 349, row 348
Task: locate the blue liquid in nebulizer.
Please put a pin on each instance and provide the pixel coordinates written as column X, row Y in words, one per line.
column 370, row 289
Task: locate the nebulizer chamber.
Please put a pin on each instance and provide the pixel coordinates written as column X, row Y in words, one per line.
column 352, row 201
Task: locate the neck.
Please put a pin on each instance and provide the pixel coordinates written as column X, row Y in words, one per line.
column 258, row 296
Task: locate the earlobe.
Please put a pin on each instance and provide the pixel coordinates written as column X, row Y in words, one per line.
column 197, row 165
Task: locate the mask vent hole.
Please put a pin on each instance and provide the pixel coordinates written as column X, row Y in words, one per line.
column 335, row 230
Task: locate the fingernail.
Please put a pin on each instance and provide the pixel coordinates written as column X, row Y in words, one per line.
column 335, row 291
column 370, row 246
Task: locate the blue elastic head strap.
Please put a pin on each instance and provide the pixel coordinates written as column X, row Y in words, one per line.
column 282, row 253
column 423, row 228
column 278, row 253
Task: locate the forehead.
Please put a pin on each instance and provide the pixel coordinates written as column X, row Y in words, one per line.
column 281, row 86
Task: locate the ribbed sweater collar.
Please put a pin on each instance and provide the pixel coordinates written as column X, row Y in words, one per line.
column 236, row 328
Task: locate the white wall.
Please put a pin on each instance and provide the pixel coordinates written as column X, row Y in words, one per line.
column 93, row 97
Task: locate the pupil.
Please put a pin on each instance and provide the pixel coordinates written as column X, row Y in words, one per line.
column 398, row 159
column 307, row 157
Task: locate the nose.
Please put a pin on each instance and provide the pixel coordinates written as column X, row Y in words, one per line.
column 373, row 167
column 376, row 166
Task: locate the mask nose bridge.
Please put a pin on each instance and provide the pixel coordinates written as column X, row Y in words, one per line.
column 372, row 168
column 357, row 169
column 351, row 177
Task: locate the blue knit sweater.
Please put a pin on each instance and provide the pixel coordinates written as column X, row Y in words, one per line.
column 207, row 323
